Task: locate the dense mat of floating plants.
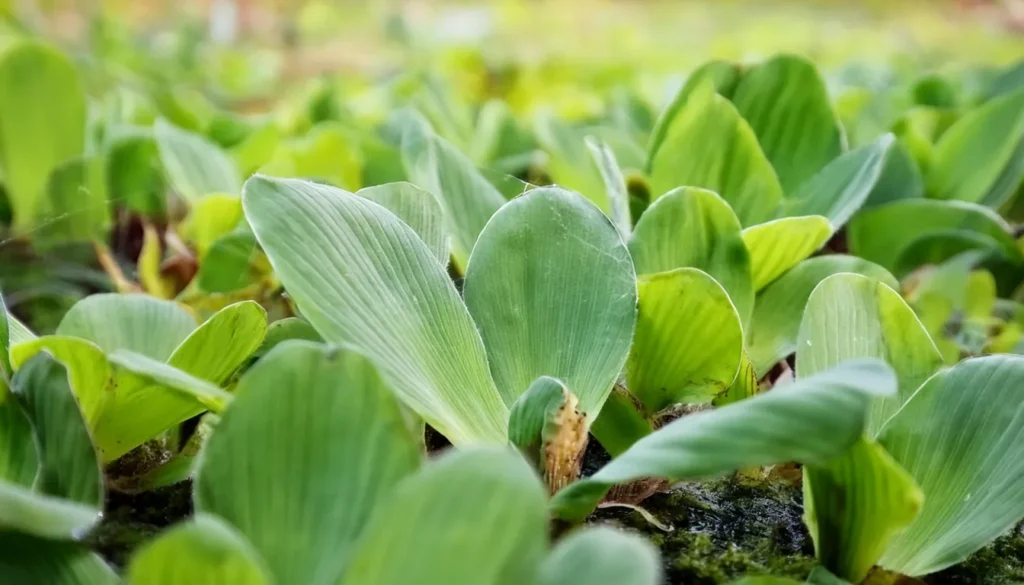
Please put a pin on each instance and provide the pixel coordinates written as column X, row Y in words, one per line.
column 271, row 311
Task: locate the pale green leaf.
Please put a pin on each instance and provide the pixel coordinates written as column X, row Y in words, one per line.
column 852, row 316
column 28, row 559
column 26, row 512
column 223, row 343
column 17, row 330
column 959, row 437
column 695, row 228
column 201, row 551
column 435, row 531
column 601, row 556
column 42, row 124
column 883, row 234
column 614, row 184
column 551, row 288
column 973, row 153
column 779, row 307
column 808, row 421
column 785, row 101
column 842, row 187
column 135, row 322
column 532, row 413
column 688, row 343
column 568, row 161
column 363, row 278
column 418, row 209
column 709, row 145
column 195, row 166
column 854, row 505
column 780, row 244
column 309, row 448
column 467, row 198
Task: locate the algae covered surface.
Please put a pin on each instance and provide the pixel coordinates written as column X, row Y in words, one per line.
column 722, row 530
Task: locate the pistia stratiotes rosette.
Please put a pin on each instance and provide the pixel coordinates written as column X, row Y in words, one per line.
column 936, row 476
column 549, row 290
column 139, row 366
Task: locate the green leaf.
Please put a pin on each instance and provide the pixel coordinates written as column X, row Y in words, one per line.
column 223, row 343
column 709, row 145
column 28, row 559
column 364, row 279
column 779, row 307
column 328, row 153
column 195, row 166
column 688, row 343
column 193, row 394
column 418, row 209
column 68, row 465
column 842, row 187
column 721, row 75
column 444, row 534
column 1008, row 183
column 972, row 154
column 135, row 322
column 852, row 316
column 88, row 371
column 75, row 208
column 231, row 263
column 622, row 422
column 311, row 445
column 467, row 198
column 69, row 494
column 284, row 329
column 809, row 421
column 787, row 105
column 551, row 288
column 614, row 184
column 211, row 217
column 129, row 399
column 854, row 505
column 780, row 244
column 883, row 234
column 202, row 551
column 695, row 228
column 958, row 436
column 900, row 179
column 601, row 556
column 18, row 460
column 134, row 174
column 42, row 124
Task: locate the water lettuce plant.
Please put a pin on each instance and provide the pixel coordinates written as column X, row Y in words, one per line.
column 806, row 281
